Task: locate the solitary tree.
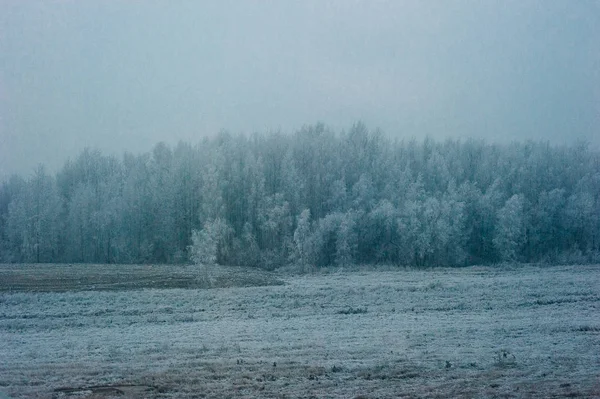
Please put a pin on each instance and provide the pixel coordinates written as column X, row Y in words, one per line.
column 210, row 245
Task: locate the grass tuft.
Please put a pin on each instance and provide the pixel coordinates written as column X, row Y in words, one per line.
column 352, row 310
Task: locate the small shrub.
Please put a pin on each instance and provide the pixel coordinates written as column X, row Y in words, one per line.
column 503, row 358
column 186, row 318
column 434, row 285
column 587, row 328
column 352, row 310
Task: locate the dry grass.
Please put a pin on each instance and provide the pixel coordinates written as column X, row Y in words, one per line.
column 475, row 332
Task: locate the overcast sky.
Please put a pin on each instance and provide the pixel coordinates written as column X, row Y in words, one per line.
column 124, row 75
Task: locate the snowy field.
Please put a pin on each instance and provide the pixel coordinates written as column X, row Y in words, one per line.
column 472, row 332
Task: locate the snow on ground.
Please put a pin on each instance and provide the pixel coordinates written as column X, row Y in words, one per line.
column 472, row 332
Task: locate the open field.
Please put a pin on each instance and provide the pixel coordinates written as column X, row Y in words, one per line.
column 473, row 332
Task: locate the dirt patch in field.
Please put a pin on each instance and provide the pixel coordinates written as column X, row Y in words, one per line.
column 106, row 391
column 83, row 277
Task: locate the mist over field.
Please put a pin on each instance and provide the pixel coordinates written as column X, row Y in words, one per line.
column 226, row 132
column 125, row 75
column 357, row 199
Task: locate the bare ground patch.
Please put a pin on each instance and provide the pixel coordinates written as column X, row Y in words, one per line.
column 106, row 391
column 84, row 277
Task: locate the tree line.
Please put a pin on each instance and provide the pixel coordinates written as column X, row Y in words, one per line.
column 315, row 197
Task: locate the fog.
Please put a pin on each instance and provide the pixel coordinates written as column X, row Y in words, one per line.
column 124, row 75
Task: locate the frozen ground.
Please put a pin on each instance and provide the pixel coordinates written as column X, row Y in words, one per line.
column 473, row 332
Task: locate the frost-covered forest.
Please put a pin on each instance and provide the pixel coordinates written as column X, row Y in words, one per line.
column 315, row 197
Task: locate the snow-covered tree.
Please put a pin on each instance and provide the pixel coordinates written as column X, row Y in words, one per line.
column 313, row 197
column 211, row 244
column 34, row 219
column 303, row 251
column 509, row 235
column 346, row 240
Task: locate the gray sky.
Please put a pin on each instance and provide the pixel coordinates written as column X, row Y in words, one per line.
column 124, row 75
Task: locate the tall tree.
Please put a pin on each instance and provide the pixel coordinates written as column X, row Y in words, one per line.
column 33, row 219
column 509, row 235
